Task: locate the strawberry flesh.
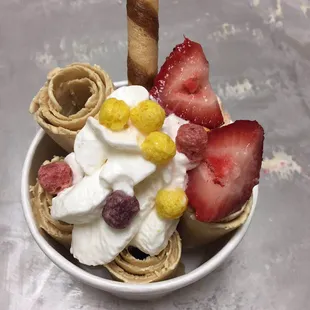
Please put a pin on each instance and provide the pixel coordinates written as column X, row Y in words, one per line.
column 224, row 181
column 222, row 168
column 191, row 85
column 182, row 86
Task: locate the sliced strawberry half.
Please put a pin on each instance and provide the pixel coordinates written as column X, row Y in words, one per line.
column 182, row 86
column 224, row 181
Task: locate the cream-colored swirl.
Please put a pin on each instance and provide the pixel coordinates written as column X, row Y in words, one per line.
column 195, row 233
column 69, row 96
column 128, row 268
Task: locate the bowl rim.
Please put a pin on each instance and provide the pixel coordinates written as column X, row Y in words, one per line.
column 111, row 285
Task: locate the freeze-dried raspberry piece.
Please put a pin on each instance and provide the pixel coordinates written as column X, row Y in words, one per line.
column 55, row 177
column 192, row 140
column 119, row 209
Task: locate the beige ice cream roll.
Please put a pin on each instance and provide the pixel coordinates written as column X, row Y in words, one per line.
column 127, row 268
column 41, row 203
column 195, row 233
column 69, row 96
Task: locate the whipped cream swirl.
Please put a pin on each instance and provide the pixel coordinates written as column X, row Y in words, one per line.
column 104, row 161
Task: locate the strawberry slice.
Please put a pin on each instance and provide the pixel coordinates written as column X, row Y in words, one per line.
column 224, row 181
column 182, row 86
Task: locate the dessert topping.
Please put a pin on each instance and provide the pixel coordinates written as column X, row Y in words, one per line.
column 114, row 114
column 55, row 177
column 119, row 209
column 77, row 172
column 192, row 140
column 224, row 180
column 171, row 203
column 147, row 116
column 132, row 94
column 158, row 148
column 182, row 86
column 113, row 162
column 81, row 203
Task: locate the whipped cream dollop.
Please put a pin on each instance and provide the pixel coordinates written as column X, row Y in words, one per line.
column 175, row 172
column 113, row 161
column 81, row 203
column 154, row 233
column 77, row 171
column 132, row 95
column 89, row 152
column 98, row 243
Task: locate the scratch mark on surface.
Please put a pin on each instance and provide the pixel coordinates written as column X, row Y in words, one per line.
column 281, row 165
column 255, row 3
column 240, row 90
column 227, row 30
column 276, row 14
column 304, row 8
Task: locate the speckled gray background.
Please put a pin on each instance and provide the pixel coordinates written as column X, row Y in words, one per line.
column 259, row 53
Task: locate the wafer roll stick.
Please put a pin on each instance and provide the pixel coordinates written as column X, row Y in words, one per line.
column 142, row 61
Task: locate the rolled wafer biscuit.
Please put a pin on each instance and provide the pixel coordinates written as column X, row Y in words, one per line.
column 41, row 203
column 195, row 233
column 69, row 96
column 130, row 269
column 142, row 25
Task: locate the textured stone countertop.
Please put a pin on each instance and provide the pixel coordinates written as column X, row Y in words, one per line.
column 259, row 53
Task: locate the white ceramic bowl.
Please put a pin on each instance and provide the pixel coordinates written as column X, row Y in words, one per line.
column 197, row 263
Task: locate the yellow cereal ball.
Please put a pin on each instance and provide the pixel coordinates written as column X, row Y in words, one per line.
column 114, row 114
column 171, row 203
column 158, row 148
column 147, row 116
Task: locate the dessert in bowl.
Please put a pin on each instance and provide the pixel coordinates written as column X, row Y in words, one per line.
column 143, row 189
column 145, row 175
column 198, row 262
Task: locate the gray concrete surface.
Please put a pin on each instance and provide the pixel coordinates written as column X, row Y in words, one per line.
column 259, row 53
